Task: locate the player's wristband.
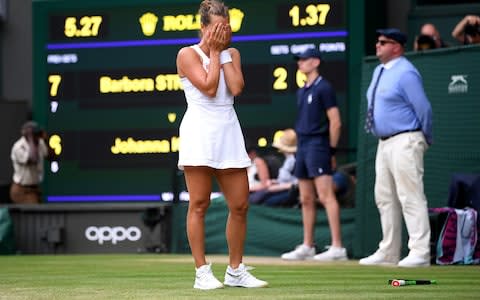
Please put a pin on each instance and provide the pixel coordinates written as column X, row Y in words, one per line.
column 333, row 150
column 225, row 57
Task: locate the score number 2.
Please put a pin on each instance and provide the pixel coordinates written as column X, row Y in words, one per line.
column 281, row 74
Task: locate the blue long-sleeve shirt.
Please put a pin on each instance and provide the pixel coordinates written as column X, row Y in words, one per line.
column 400, row 100
column 285, row 173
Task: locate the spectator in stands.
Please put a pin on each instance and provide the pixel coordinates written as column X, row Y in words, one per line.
column 212, row 144
column 258, row 175
column 467, row 31
column 283, row 190
column 318, row 131
column 400, row 115
column 344, row 181
column 429, row 38
column 28, row 154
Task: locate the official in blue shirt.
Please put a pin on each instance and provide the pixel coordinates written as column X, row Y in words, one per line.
column 400, row 115
column 318, row 131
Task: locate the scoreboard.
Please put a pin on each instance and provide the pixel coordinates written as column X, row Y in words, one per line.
column 108, row 94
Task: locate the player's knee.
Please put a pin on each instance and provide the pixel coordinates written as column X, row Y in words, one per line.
column 198, row 207
column 239, row 209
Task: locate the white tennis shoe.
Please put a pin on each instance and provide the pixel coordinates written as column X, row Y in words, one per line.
column 240, row 277
column 205, row 280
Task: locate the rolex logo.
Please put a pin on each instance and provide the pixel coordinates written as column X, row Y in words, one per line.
column 148, row 21
column 236, row 17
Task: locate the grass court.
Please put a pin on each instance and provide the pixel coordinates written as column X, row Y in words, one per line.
column 167, row 276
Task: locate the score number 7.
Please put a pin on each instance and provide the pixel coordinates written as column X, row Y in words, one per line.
column 54, row 81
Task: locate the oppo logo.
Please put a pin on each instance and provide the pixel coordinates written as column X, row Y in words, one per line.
column 112, row 234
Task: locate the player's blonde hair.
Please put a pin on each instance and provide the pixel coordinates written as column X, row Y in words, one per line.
column 212, row 7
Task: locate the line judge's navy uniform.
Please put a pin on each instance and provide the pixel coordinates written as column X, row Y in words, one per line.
column 313, row 156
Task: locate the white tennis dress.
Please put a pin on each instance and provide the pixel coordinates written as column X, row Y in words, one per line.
column 210, row 133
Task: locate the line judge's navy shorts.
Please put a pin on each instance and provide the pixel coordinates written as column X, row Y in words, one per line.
column 313, row 157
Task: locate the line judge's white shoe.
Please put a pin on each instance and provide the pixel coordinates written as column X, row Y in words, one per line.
column 333, row 253
column 378, row 259
column 301, row 252
column 240, row 277
column 412, row 261
column 204, row 279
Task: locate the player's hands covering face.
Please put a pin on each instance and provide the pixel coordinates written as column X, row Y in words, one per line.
column 219, row 36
